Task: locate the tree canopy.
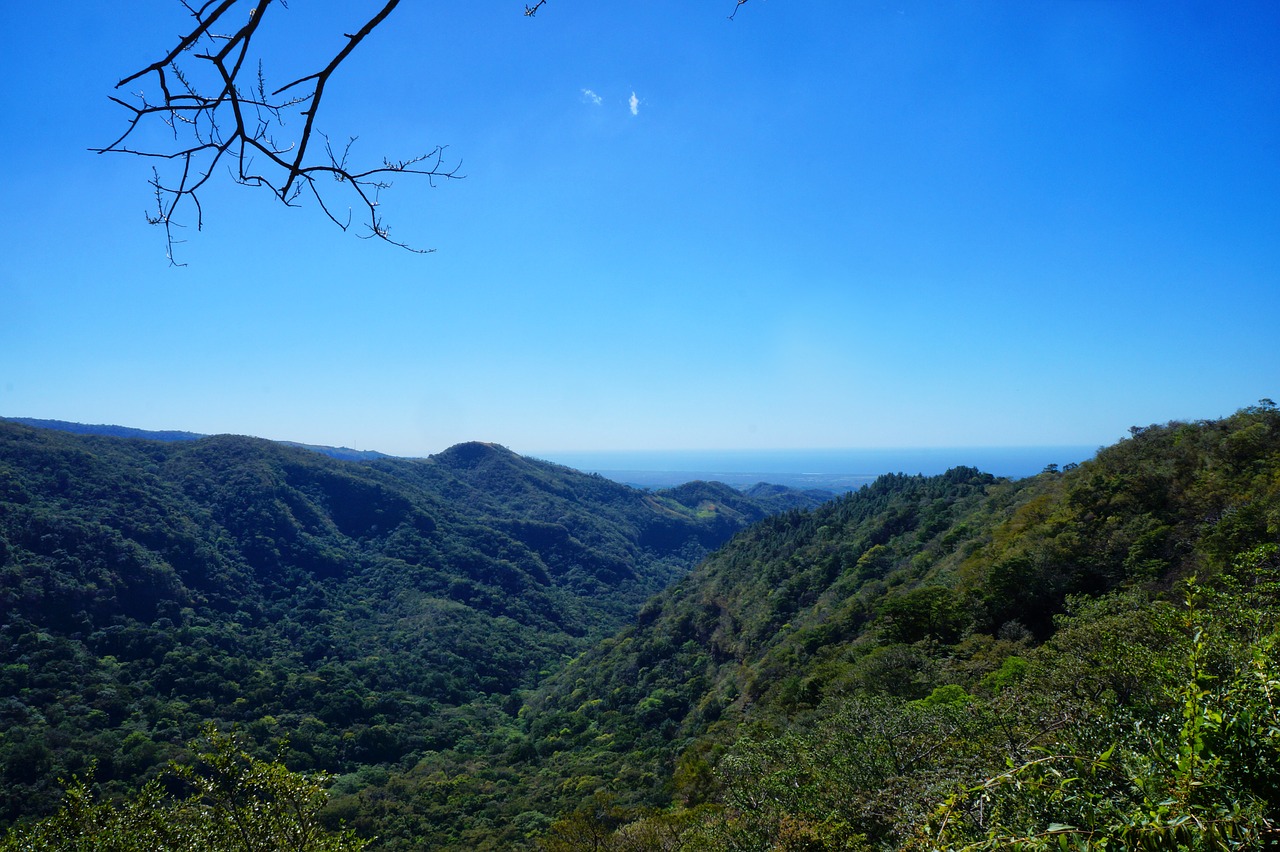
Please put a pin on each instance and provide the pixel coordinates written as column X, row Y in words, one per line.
column 226, row 800
column 1082, row 659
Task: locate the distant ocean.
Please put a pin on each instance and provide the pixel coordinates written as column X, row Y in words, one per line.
column 835, row 470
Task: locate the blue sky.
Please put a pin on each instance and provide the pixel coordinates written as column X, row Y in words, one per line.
column 820, row 224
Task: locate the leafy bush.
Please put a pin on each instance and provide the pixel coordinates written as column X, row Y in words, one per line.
column 229, row 801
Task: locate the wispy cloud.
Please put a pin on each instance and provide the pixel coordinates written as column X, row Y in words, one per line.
column 591, row 97
column 635, row 104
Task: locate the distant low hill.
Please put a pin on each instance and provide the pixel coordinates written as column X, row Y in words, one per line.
column 169, row 435
column 105, row 429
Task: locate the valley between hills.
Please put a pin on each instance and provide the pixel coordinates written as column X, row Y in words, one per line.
column 226, row 642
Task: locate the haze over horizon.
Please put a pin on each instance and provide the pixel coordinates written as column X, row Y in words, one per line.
column 828, row 469
column 1002, row 461
column 816, row 225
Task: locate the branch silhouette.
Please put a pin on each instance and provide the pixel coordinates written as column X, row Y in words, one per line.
column 217, row 108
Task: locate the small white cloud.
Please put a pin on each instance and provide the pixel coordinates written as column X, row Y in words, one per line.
column 591, row 97
column 635, row 104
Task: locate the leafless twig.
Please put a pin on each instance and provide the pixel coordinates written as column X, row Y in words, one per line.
column 218, row 113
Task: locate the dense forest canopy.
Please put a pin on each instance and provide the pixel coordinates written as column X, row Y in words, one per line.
column 367, row 612
column 1083, row 659
column 953, row 661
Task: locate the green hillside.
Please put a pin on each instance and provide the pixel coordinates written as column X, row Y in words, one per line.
column 1085, row 659
column 832, row 678
column 368, row 612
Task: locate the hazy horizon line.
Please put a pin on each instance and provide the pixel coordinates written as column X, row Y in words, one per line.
column 1016, row 461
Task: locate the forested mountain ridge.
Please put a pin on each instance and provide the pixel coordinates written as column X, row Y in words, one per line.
column 832, row 676
column 366, row 611
column 112, row 431
column 1084, row 659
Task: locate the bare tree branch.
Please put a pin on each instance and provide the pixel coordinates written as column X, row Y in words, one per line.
column 218, row 112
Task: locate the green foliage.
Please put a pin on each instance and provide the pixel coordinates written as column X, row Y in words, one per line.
column 930, row 662
column 371, row 612
column 845, row 671
column 1169, row 501
column 1203, row 778
column 1010, row 672
column 230, row 802
column 922, row 613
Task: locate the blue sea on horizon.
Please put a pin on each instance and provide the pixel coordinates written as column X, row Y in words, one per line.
column 836, row 470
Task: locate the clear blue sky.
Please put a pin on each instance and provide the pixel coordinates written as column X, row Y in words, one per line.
column 828, row 223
